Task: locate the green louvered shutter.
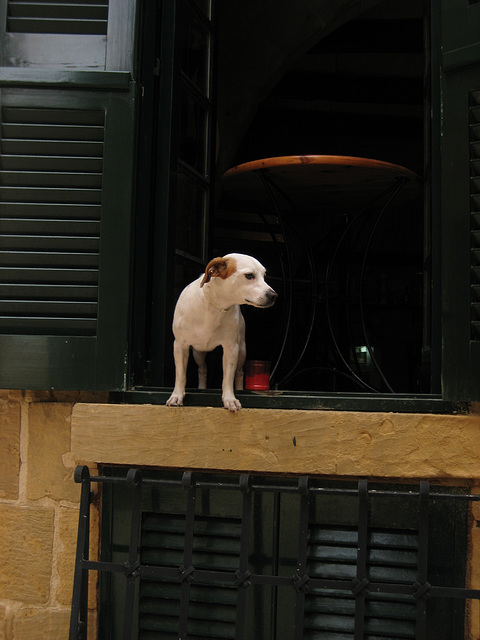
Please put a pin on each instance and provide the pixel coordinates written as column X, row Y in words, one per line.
column 332, row 555
column 196, row 596
column 212, row 608
column 66, row 171
column 459, row 187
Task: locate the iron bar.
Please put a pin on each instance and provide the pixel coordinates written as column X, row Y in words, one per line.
column 422, row 586
column 287, row 488
column 243, row 575
column 360, row 584
column 79, row 612
column 187, row 570
column 301, row 578
column 134, row 479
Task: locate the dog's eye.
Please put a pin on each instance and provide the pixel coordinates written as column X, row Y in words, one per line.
column 250, row 276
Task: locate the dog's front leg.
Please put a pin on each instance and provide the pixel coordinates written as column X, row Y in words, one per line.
column 180, row 353
column 230, row 359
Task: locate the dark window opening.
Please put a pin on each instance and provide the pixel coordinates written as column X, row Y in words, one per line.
column 197, row 555
column 362, row 325
column 352, row 261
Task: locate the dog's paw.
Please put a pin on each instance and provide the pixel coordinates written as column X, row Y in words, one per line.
column 175, row 400
column 232, row 404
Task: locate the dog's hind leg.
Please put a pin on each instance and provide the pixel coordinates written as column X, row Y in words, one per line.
column 242, row 354
column 200, row 359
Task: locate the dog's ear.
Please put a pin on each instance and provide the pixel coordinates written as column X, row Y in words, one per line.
column 219, row 268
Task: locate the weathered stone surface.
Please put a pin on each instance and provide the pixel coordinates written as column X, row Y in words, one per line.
column 41, row 624
column 49, row 439
column 65, row 552
column 26, row 540
column 10, row 448
column 386, row 445
column 3, row 617
column 66, row 549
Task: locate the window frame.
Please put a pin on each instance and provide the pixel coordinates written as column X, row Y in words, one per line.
column 118, row 367
column 447, row 396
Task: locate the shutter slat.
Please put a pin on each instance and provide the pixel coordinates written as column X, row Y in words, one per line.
column 52, row 147
column 55, row 117
column 476, row 292
column 475, row 126
column 47, row 131
column 40, row 276
column 50, row 179
column 47, row 260
column 37, row 194
column 50, row 210
column 48, row 227
column 48, row 326
column 49, row 243
column 48, row 291
column 50, row 163
column 68, row 27
column 59, row 10
column 475, row 149
column 31, row 308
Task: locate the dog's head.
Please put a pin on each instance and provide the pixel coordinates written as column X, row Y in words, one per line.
column 241, row 279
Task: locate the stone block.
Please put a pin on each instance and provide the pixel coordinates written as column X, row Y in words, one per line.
column 48, row 441
column 40, row 624
column 10, row 447
column 26, row 540
column 67, row 542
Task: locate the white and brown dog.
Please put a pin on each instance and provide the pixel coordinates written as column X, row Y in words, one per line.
column 208, row 315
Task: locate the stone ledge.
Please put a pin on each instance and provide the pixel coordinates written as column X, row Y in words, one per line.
column 382, row 445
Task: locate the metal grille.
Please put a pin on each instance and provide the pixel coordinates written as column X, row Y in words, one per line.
column 51, row 163
column 194, row 576
column 475, row 211
column 58, row 16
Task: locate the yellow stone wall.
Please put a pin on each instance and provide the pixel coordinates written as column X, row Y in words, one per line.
column 44, row 435
column 38, row 516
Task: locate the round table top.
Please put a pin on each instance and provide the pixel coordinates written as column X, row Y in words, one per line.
column 314, row 181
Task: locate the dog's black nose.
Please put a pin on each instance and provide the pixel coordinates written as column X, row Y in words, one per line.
column 272, row 296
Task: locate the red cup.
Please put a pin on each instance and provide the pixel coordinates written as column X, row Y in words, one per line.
column 257, row 375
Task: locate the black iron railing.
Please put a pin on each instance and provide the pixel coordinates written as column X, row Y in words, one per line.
column 304, row 582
